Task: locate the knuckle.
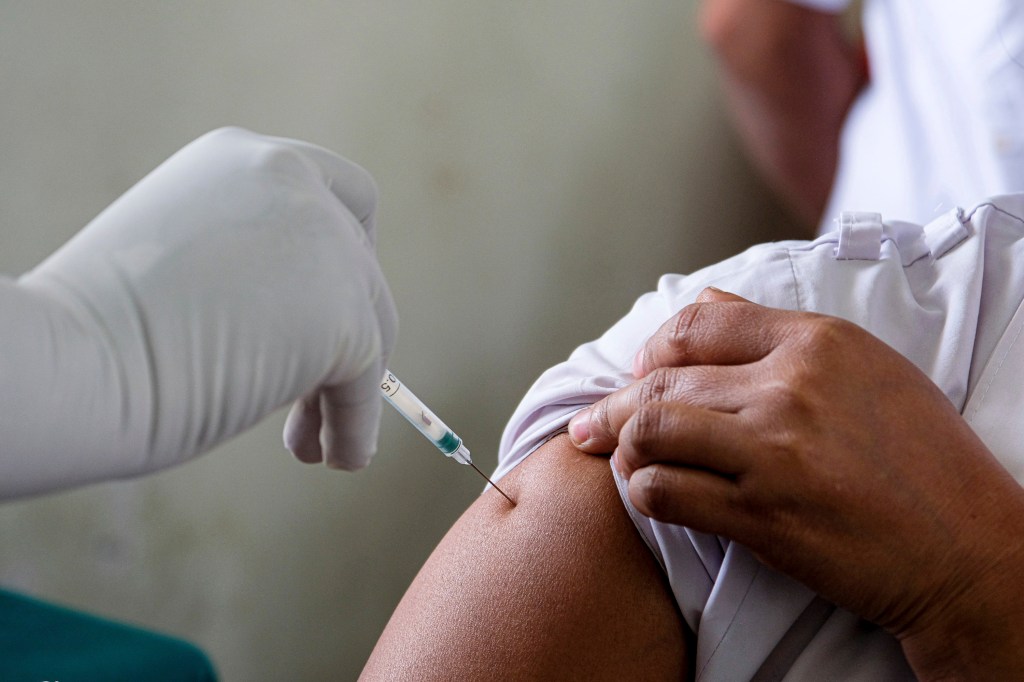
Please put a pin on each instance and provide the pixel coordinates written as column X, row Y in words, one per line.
column 242, row 153
column 224, row 135
column 229, row 141
column 826, row 334
column 787, row 395
column 646, row 427
column 276, row 158
column 787, row 418
column 679, row 339
column 655, row 387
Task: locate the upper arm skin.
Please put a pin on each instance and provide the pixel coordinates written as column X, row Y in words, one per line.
column 560, row 586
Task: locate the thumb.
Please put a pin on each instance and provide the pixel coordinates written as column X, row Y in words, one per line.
column 351, row 420
column 339, row 424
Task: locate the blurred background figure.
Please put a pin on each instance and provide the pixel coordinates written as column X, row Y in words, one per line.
column 911, row 112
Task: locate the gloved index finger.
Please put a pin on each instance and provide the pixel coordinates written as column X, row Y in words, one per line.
column 351, row 420
column 348, row 181
column 719, row 329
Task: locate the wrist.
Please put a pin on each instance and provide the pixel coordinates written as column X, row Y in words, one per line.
column 988, row 646
column 70, row 412
column 976, row 630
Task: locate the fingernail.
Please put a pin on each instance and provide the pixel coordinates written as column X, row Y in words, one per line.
column 579, row 427
column 618, row 466
column 638, row 363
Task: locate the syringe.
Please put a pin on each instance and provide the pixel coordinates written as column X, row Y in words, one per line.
column 427, row 423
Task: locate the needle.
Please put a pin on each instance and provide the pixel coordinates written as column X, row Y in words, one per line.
column 492, row 484
column 427, row 423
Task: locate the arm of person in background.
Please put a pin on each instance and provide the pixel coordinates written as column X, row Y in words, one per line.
column 238, row 276
column 790, row 74
column 560, row 586
column 836, row 461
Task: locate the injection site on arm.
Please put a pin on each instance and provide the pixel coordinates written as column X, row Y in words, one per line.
column 428, row 424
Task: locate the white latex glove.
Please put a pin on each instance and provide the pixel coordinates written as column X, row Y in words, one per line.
column 238, row 276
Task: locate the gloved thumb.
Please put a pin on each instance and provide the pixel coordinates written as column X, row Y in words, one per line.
column 338, row 424
column 351, row 420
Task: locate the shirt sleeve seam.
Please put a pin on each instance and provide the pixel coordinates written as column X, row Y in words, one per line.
column 796, row 282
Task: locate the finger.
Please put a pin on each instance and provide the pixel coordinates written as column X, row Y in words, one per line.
column 350, row 182
column 716, row 295
column 352, row 410
column 683, row 435
column 697, row 499
column 351, row 420
column 725, row 331
column 722, row 388
column 302, row 429
column 343, row 406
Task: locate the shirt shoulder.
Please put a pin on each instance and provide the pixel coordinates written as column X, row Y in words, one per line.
column 919, row 290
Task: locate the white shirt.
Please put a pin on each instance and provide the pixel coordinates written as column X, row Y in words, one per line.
column 947, row 296
column 941, row 120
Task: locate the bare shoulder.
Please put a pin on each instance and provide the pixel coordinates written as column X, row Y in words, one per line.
column 560, row 586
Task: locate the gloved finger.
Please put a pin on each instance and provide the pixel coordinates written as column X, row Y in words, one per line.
column 302, row 429
column 351, row 409
column 337, row 423
column 720, row 329
column 349, row 182
column 351, row 419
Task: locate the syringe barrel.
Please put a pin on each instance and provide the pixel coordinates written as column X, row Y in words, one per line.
column 419, row 415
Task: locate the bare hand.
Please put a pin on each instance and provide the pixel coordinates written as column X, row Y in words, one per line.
column 835, row 460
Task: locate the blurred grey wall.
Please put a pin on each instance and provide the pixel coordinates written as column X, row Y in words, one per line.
column 540, row 164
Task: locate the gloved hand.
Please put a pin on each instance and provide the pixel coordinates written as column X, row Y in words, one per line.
column 238, row 276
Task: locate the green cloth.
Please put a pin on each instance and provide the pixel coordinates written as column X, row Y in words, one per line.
column 40, row 641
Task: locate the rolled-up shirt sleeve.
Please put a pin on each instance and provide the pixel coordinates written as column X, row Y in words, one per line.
column 601, row 367
column 919, row 289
